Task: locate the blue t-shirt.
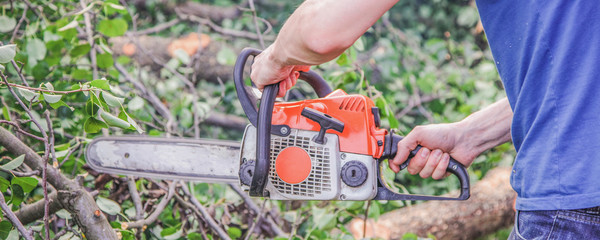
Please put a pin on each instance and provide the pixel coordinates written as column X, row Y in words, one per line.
column 548, row 55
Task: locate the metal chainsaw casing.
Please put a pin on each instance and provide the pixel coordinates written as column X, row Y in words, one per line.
column 324, row 181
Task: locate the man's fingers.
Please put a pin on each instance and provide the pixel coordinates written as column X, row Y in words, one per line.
column 295, row 79
column 432, row 162
column 440, row 169
column 283, row 86
column 404, row 147
column 418, row 161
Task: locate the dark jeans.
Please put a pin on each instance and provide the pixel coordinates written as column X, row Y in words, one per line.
column 559, row 224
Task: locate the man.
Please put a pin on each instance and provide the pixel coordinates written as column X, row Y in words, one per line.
column 548, row 56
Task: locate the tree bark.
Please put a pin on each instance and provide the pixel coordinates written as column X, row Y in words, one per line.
column 490, row 208
column 73, row 197
column 32, row 212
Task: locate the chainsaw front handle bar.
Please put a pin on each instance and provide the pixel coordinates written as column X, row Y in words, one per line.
column 262, row 119
column 315, row 80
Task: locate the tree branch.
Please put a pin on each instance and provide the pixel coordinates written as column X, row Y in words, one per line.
column 45, row 90
column 157, row 211
column 32, row 212
column 256, row 209
column 222, row 234
column 15, row 221
column 135, row 198
column 71, row 195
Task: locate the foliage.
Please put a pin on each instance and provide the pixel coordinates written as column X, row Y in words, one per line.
column 422, row 63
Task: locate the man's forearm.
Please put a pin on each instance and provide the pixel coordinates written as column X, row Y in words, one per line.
column 320, row 30
column 488, row 127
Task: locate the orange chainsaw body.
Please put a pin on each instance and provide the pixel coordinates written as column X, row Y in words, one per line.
column 361, row 135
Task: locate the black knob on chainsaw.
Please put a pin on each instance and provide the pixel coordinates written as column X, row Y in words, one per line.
column 325, row 121
column 354, row 173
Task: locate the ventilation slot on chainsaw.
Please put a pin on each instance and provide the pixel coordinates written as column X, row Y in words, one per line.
column 319, row 179
column 353, row 104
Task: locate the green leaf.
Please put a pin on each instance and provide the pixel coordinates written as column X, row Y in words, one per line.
column 467, row 17
column 169, row 231
column 135, row 125
column 49, row 86
column 16, row 162
column 81, row 74
column 114, row 121
column 182, row 56
column 80, row 50
column 36, row 49
column 93, row 125
column 27, row 183
column 64, row 214
column 17, row 195
column 5, row 227
column 4, row 184
column 359, row 44
column 324, row 220
column 27, row 94
column 135, row 104
column 91, row 108
column 70, row 25
column 40, row 71
column 6, row 113
column 100, row 83
column 234, row 232
column 410, row 236
column 51, row 98
column 108, row 206
column 123, row 60
column 112, row 100
column 186, row 118
column 7, row 24
column 112, row 28
column 226, row 56
column 2, row 68
column 343, row 60
column 195, row 236
column 374, row 210
column 104, row 60
column 7, row 53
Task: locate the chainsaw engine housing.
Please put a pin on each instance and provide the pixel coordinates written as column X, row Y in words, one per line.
column 324, row 180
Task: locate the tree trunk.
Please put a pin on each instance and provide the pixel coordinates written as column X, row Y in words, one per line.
column 71, row 195
column 490, row 208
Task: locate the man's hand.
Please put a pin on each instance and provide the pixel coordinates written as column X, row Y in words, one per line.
column 267, row 70
column 463, row 140
column 439, row 142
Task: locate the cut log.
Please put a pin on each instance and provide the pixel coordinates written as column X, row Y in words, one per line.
column 489, row 209
column 163, row 49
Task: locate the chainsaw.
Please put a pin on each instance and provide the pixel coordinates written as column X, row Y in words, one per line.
column 329, row 148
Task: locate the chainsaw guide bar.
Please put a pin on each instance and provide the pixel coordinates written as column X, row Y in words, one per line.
column 204, row 160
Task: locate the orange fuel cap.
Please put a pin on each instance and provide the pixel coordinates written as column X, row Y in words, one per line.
column 293, row 165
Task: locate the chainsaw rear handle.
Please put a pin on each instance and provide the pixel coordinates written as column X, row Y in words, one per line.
column 262, row 119
column 315, row 80
column 390, row 150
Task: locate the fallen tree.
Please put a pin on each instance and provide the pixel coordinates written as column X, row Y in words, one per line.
column 490, row 208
